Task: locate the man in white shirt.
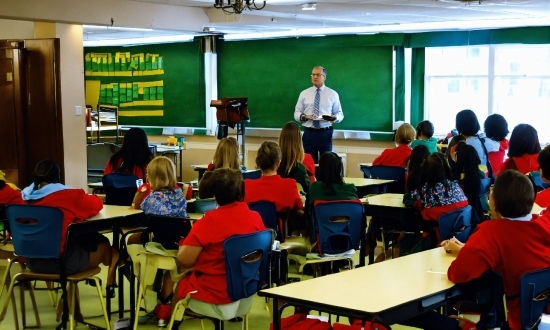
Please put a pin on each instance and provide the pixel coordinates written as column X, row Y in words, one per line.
column 318, row 107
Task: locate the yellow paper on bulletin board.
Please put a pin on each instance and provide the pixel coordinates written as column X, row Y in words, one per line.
column 92, row 92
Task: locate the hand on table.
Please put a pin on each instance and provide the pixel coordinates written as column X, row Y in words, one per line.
column 452, row 246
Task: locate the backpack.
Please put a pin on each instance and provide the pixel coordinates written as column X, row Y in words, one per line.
column 301, row 322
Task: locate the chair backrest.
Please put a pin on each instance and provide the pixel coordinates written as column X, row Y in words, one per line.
column 366, row 171
column 36, row 230
column 268, row 212
column 390, row 173
column 246, row 263
column 457, row 223
column 537, row 182
column 203, row 205
column 534, row 296
column 337, row 225
column 168, row 231
column 120, row 188
column 252, row 174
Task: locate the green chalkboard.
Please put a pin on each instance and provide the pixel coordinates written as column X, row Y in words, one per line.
column 272, row 73
column 183, row 84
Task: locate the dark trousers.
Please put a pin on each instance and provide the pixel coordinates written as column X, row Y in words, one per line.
column 317, row 142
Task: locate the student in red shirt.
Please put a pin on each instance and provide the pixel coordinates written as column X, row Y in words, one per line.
column 512, row 244
column 524, row 149
column 202, row 250
column 399, row 155
column 134, row 155
column 9, row 194
column 270, row 186
column 90, row 249
column 543, row 197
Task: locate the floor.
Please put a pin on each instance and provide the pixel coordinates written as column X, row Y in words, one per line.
column 259, row 316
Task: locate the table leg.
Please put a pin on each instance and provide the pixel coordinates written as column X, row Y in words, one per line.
column 363, row 243
column 276, row 315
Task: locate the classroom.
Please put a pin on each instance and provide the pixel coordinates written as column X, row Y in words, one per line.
column 384, row 75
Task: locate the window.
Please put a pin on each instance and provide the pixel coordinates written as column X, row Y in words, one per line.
column 512, row 80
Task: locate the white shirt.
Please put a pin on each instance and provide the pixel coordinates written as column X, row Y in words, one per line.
column 329, row 105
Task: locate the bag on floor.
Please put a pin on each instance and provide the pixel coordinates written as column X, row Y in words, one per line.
column 358, row 325
column 301, row 322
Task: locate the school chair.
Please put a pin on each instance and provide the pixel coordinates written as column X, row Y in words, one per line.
column 537, row 182
column 253, row 175
column 246, row 264
column 484, row 190
column 160, row 253
column 457, row 223
column 268, row 212
column 120, row 188
column 202, row 205
column 534, row 297
column 389, row 173
column 337, row 230
column 35, row 229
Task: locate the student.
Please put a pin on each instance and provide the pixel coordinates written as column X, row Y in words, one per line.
column 512, row 244
column 523, row 150
column 438, row 195
column 270, row 186
column 496, row 129
column 424, row 136
column 469, row 172
column 414, row 167
column 160, row 196
column 226, row 155
column 399, row 155
column 292, row 166
column 467, row 125
column 134, row 155
column 330, row 185
column 543, row 197
column 90, row 249
column 202, row 250
column 9, row 193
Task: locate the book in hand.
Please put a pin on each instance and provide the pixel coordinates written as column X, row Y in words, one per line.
column 329, row 118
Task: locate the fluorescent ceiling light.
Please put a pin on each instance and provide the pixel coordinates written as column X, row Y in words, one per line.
column 309, row 6
column 138, row 41
column 114, row 28
column 395, row 28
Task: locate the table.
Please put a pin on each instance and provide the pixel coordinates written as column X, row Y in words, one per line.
column 174, row 150
column 201, row 169
column 381, row 290
column 364, row 182
column 392, row 213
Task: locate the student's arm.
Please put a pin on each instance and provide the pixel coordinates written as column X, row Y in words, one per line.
column 473, row 260
column 188, row 255
column 143, row 191
column 86, row 205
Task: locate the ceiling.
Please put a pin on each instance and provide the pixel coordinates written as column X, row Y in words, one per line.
column 345, row 16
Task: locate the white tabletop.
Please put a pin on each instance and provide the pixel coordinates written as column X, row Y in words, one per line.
column 200, row 167
column 362, row 182
column 114, row 211
column 378, row 287
column 391, row 200
column 165, row 149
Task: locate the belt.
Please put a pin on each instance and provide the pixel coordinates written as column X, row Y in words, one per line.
column 317, row 129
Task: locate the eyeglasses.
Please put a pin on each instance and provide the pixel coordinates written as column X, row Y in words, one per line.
column 317, row 74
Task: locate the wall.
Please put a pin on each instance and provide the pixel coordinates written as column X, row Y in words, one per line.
column 72, row 95
column 10, row 29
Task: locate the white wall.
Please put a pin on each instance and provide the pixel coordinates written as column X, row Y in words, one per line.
column 10, row 29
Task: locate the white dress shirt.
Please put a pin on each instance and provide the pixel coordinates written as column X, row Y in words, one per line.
column 329, row 105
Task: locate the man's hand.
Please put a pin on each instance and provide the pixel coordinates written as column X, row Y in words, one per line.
column 305, row 117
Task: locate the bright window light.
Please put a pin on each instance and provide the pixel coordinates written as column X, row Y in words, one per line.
column 138, row 41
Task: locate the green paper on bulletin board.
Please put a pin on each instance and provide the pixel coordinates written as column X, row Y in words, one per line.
column 146, row 93
column 160, row 63
column 115, row 100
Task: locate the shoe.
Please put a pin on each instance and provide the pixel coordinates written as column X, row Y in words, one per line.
column 236, row 319
column 147, row 317
column 92, row 282
column 110, row 291
column 163, row 314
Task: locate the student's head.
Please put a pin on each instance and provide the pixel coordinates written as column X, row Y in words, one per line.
column 425, row 129
column 451, row 148
column 544, row 163
column 435, row 169
column 161, row 173
column 227, row 154
column 414, row 166
column 290, row 142
column 45, row 172
column 405, row 134
column 134, row 152
column 496, row 127
column 318, row 76
column 467, row 163
column 269, row 156
column 466, row 123
column 330, row 168
column 524, row 140
column 512, row 196
column 226, row 185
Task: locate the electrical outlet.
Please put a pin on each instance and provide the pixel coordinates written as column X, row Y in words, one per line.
column 78, row 110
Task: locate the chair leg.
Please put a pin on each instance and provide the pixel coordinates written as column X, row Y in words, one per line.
column 34, row 307
column 72, row 296
column 138, row 303
column 9, row 295
column 14, row 307
column 202, row 324
column 245, row 322
column 103, row 307
column 6, row 276
column 172, row 318
column 22, row 304
column 49, row 286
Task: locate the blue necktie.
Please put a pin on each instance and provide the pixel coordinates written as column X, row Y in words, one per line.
column 316, row 123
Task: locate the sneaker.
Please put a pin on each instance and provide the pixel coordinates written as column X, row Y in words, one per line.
column 163, row 314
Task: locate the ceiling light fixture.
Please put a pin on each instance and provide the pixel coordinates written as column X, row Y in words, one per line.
column 236, row 6
column 309, row 6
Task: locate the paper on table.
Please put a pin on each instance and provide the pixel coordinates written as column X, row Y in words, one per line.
column 436, row 270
